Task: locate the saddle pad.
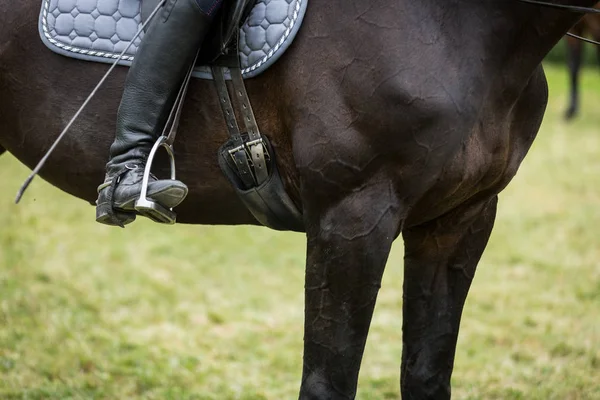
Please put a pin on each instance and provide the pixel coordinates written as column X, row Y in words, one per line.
column 99, row 30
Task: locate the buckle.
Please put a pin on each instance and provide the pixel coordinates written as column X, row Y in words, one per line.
column 235, row 150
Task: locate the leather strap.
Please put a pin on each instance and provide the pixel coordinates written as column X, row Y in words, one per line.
column 238, row 153
column 226, row 106
column 243, row 151
column 255, row 144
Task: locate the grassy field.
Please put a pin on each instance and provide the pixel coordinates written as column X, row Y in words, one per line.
column 153, row 312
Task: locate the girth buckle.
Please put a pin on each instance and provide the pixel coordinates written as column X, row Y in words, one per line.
column 256, row 166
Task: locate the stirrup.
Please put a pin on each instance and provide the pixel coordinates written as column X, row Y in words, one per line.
column 147, row 207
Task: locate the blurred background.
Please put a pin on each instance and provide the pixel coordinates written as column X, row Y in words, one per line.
column 182, row 312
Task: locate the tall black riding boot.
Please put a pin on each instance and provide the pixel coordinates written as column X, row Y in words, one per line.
column 161, row 63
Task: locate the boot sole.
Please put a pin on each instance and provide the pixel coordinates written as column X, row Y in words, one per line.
column 125, row 213
column 169, row 198
column 107, row 216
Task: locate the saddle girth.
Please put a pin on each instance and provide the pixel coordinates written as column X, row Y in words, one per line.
column 248, row 159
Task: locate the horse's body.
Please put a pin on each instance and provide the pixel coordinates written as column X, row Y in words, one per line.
column 588, row 25
column 389, row 117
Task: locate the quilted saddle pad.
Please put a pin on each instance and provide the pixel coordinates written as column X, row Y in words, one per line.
column 99, row 30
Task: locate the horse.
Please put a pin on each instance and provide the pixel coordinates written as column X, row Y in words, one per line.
column 388, row 118
column 589, row 24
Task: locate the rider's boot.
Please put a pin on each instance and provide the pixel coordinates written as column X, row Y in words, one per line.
column 161, row 63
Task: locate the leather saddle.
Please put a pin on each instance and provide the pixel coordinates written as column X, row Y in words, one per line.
column 224, row 30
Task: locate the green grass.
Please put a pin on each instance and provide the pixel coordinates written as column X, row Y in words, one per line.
column 193, row 312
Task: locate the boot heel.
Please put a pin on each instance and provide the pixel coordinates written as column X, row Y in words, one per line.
column 106, row 215
column 156, row 212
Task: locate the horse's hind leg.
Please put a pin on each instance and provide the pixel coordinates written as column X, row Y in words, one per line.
column 348, row 246
column 574, row 55
column 440, row 261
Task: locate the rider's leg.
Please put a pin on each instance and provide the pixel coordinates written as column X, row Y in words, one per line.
column 161, row 63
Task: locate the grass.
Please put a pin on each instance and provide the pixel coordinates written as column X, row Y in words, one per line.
column 198, row 312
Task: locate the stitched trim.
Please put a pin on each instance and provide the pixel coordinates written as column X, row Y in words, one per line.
column 279, row 44
column 74, row 49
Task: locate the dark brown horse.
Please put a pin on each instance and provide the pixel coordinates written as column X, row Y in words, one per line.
column 389, row 117
column 589, row 25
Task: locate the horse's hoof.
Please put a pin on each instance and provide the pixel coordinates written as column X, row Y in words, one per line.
column 570, row 114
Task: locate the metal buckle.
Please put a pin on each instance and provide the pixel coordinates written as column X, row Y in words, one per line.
column 235, row 150
column 147, row 207
column 247, row 148
column 256, row 142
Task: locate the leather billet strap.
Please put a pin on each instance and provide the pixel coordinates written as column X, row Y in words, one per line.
column 249, row 156
column 238, row 152
column 254, row 144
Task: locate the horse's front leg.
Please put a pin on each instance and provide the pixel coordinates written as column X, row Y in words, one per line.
column 440, row 261
column 348, row 246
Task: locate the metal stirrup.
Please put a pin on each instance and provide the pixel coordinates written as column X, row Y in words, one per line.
column 148, row 207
